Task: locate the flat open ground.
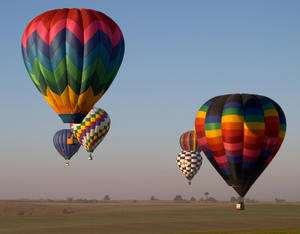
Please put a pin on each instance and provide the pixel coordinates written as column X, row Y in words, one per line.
column 147, row 217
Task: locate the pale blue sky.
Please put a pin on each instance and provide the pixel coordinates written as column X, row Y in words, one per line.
column 178, row 55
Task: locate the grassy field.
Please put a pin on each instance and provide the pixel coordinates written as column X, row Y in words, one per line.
column 147, row 217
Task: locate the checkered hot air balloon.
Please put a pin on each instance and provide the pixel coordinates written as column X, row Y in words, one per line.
column 240, row 134
column 63, row 147
column 72, row 57
column 92, row 130
column 189, row 163
column 188, row 141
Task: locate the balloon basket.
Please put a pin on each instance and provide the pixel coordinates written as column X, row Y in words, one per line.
column 67, row 163
column 240, row 206
column 90, row 157
column 190, row 182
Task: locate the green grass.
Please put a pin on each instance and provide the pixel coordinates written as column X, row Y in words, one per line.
column 147, row 217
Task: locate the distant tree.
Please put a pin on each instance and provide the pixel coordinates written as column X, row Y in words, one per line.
column 233, row 199
column 153, row 198
column 82, row 200
column 69, row 199
column 178, row 198
column 206, row 195
column 201, row 199
column 279, row 200
column 193, row 199
column 249, row 200
column 106, row 198
column 211, row 199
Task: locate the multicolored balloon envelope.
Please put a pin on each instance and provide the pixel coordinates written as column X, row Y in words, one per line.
column 189, row 163
column 188, row 141
column 92, row 130
column 240, row 134
column 72, row 57
column 60, row 141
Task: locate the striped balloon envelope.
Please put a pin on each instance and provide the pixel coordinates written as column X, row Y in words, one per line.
column 188, row 141
column 72, row 57
column 92, row 130
column 240, row 134
column 60, row 141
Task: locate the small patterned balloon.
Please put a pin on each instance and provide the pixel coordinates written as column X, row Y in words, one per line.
column 93, row 129
column 189, row 163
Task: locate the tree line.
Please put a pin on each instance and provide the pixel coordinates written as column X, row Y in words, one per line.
column 177, row 198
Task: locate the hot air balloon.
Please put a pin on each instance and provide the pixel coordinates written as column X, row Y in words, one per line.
column 240, row 134
column 189, row 163
column 92, row 130
column 66, row 149
column 188, row 141
column 72, row 57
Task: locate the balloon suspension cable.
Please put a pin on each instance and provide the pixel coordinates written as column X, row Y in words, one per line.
column 90, row 157
column 67, row 163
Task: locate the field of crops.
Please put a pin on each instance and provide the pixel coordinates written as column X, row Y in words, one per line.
column 147, row 217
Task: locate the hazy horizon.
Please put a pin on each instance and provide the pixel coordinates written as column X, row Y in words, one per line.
column 178, row 55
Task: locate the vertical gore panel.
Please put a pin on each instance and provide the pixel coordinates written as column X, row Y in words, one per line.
column 233, row 133
column 254, row 129
column 213, row 133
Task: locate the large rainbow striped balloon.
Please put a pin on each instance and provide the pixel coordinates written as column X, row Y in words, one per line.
column 240, row 134
column 72, row 57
